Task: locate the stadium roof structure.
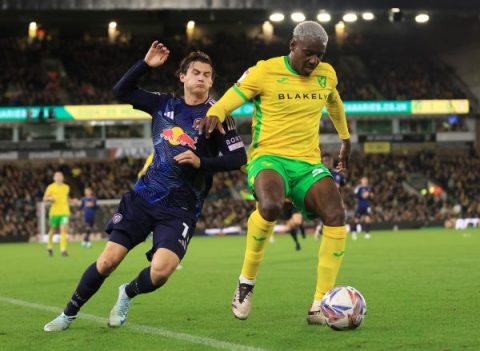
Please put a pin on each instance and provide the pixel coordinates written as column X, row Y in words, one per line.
column 435, row 5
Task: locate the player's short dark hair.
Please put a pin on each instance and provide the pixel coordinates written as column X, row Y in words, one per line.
column 194, row 56
column 326, row 154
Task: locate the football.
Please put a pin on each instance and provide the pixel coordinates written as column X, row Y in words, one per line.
column 344, row 308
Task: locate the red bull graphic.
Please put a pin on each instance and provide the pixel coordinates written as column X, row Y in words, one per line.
column 176, row 136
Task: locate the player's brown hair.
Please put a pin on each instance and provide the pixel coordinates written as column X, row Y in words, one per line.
column 194, row 56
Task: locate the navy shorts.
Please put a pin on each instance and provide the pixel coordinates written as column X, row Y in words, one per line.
column 363, row 211
column 135, row 219
column 89, row 222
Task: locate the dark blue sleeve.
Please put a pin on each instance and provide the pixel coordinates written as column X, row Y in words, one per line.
column 126, row 90
column 82, row 206
column 232, row 148
column 343, row 180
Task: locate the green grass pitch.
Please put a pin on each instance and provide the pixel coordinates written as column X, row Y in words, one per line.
column 422, row 290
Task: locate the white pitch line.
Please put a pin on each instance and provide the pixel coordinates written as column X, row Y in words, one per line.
column 219, row 344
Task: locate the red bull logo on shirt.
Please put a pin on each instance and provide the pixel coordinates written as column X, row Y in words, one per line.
column 176, row 136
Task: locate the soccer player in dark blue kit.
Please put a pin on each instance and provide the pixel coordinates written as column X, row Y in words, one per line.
column 363, row 193
column 168, row 198
column 88, row 204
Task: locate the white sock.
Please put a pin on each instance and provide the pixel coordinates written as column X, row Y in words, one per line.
column 316, row 305
column 244, row 280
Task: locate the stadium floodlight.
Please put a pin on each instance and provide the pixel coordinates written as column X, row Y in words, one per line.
column 340, row 25
column 191, row 25
column 297, row 17
column 112, row 25
column 368, row 16
column 395, row 9
column 277, row 17
column 422, row 18
column 350, row 17
column 32, row 30
column 324, row 17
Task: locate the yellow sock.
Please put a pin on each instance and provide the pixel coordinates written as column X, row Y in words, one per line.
column 330, row 258
column 258, row 232
column 50, row 239
column 63, row 240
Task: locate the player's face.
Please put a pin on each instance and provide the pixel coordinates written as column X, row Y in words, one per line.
column 306, row 54
column 58, row 177
column 88, row 192
column 364, row 181
column 198, row 80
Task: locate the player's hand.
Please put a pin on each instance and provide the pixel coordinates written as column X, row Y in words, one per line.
column 188, row 157
column 344, row 155
column 156, row 55
column 209, row 124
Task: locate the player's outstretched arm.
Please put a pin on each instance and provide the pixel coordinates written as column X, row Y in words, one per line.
column 126, row 89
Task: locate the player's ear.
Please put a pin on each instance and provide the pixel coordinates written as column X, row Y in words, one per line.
column 292, row 44
column 182, row 77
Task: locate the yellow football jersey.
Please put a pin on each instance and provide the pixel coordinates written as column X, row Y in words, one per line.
column 60, row 193
column 287, row 108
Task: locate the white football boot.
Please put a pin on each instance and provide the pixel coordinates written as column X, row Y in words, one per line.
column 242, row 300
column 60, row 323
column 119, row 312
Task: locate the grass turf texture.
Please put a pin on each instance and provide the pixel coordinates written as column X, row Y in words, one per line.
column 422, row 290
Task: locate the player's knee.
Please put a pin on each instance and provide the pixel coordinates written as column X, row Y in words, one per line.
column 335, row 217
column 270, row 210
column 160, row 273
column 106, row 265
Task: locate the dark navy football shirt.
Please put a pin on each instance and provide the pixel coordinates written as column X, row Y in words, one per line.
column 165, row 181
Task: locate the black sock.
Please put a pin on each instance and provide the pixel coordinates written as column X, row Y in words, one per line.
column 89, row 284
column 141, row 284
column 87, row 234
column 293, row 233
column 302, row 230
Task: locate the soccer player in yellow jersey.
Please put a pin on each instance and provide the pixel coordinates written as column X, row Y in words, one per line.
column 284, row 158
column 57, row 194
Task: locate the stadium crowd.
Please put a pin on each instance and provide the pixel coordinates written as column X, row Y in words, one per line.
column 82, row 71
column 394, row 178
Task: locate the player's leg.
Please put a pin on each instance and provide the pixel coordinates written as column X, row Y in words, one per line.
column 88, row 231
column 297, row 219
column 91, row 280
column 355, row 225
column 269, row 188
column 301, row 224
column 51, row 232
column 63, row 235
column 294, row 233
column 170, row 242
column 367, row 226
column 323, row 199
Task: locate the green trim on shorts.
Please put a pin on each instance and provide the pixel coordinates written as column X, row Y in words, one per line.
column 298, row 177
column 57, row 221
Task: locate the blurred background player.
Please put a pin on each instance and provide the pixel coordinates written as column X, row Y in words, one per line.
column 284, row 157
column 59, row 213
column 88, row 203
column 339, row 178
column 294, row 221
column 362, row 220
column 167, row 199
